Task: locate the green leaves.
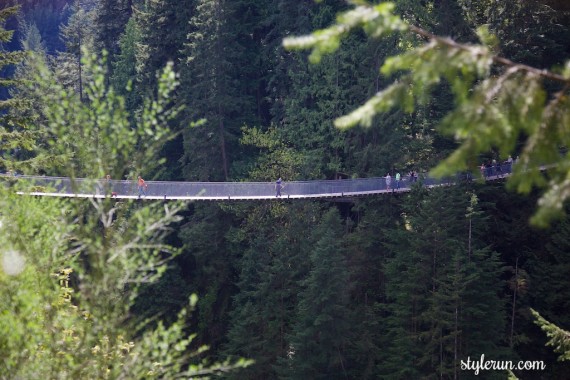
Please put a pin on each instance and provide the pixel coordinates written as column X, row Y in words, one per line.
column 498, row 103
column 558, row 338
column 96, row 136
column 377, row 21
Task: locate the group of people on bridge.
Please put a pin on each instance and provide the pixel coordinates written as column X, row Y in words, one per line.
column 412, row 176
column 497, row 168
column 141, row 185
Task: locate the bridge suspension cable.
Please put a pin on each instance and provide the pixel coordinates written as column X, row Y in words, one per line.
column 222, row 191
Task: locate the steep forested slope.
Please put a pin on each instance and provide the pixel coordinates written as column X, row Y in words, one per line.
column 403, row 286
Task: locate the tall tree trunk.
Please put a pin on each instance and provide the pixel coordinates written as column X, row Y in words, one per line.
column 79, row 67
column 514, row 301
column 223, row 142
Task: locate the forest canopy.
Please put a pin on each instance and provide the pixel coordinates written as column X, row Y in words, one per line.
column 402, row 285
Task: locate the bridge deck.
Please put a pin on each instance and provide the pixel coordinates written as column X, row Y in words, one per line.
column 224, row 191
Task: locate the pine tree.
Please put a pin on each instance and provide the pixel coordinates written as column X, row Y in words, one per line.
column 124, row 66
column 367, row 256
column 110, row 18
column 320, row 335
column 270, row 269
column 17, row 140
column 156, row 47
column 7, row 58
column 210, row 80
column 78, row 35
column 442, row 288
column 163, row 26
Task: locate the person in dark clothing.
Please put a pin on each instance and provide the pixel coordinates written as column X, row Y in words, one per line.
column 278, row 187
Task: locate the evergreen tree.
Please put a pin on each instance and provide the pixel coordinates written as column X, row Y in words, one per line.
column 124, row 66
column 163, row 26
column 321, row 332
column 270, row 269
column 208, row 263
column 442, row 288
column 7, row 58
column 78, row 36
column 211, row 92
column 110, row 18
column 19, row 139
column 375, row 221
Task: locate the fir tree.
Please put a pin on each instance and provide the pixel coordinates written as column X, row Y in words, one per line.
column 124, row 66
column 78, row 36
column 18, row 140
column 110, row 18
column 163, row 26
column 321, row 332
column 443, row 287
column 269, row 273
column 7, row 58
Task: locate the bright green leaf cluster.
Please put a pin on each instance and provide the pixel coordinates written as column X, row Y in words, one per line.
column 558, row 338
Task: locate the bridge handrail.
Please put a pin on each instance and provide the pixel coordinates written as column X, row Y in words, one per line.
column 237, row 190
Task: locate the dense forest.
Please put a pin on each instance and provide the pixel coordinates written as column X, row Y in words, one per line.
column 401, row 286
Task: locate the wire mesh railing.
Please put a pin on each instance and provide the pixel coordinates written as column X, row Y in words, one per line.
column 82, row 187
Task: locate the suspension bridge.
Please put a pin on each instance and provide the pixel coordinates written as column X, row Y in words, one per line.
column 231, row 191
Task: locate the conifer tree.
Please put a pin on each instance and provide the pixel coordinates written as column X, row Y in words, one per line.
column 78, row 35
column 7, row 58
column 157, row 47
column 211, row 90
column 320, row 335
column 124, row 66
column 270, row 270
column 163, row 26
column 18, row 137
column 110, row 18
column 367, row 257
column 443, row 300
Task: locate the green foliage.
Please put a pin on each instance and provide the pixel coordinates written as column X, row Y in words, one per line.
column 12, row 136
column 439, row 285
column 376, row 20
column 558, row 338
column 270, row 269
column 124, row 66
column 110, row 19
column 101, row 252
column 78, row 35
column 320, row 334
column 278, row 160
column 492, row 111
column 95, row 135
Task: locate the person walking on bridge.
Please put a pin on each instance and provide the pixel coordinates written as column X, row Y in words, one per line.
column 388, row 181
column 142, row 186
column 398, row 177
column 278, row 187
column 109, row 186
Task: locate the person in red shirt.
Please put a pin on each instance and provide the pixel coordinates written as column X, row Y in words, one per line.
column 142, row 186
